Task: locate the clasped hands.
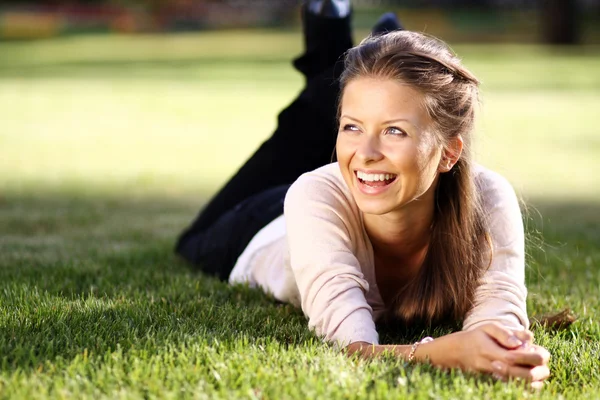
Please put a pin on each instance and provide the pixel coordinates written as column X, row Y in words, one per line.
column 504, row 353
column 490, row 348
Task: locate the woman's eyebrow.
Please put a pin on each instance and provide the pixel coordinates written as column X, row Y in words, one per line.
column 352, row 118
column 397, row 120
column 384, row 122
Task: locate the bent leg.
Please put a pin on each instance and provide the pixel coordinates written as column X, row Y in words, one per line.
column 217, row 248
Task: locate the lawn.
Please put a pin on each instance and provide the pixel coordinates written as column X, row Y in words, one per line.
column 108, row 147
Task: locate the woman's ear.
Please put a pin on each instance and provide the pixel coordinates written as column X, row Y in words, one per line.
column 450, row 154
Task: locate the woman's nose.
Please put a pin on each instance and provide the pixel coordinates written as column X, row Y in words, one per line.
column 369, row 149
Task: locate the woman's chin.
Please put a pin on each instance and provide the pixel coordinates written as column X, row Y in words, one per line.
column 374, row 207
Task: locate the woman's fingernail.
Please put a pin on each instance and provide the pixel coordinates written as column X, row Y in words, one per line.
column 498, row 366
column 513, row 341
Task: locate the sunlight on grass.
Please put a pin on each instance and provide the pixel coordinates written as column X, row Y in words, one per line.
column 545, row 143
column 163, row 135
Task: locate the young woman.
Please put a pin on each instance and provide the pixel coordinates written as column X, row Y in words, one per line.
column 403, row 227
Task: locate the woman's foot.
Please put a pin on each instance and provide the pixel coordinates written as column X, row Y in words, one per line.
column 388, row 22
column 329, row 8
column 327, row 35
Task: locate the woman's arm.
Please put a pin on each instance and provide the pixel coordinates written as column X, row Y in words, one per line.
column 491, row 348
column 322, row 231
column 501, row 296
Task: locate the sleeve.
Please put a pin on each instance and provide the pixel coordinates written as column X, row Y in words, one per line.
column 502, row 294
column 328, row 275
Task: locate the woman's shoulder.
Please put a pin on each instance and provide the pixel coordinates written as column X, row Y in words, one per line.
column 321, row 196
column 492, row 185
column 501, row 205
column 324, row 184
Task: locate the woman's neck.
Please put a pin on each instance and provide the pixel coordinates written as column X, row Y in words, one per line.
column 402, row 235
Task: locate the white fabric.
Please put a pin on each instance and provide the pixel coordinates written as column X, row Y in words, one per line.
column 318, row 256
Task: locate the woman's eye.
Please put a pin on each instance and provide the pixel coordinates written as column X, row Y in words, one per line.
column 392, row 130
column 351, row 128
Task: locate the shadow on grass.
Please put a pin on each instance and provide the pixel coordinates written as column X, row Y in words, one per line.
column 562, row 240
column 94, row 274
column 101, row 311
column 566, row 220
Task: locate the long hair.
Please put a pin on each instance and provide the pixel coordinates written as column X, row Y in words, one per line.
column 444, row 289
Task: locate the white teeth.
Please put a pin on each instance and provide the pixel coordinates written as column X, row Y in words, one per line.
column 374, row 177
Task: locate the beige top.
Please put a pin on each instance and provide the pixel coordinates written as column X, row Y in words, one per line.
column 318, row 256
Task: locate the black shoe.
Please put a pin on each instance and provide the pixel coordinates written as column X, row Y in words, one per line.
column 329, row 8
column 388, row 22
column 326, row 39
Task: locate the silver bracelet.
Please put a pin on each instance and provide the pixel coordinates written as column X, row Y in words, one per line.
column 413, row 349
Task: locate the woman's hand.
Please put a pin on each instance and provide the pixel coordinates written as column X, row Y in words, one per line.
column 490, row 348
column 530, row 363
column 475, row 350
column 512, row 356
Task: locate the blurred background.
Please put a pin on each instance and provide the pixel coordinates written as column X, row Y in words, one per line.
column 153, row 105
column 549, row 21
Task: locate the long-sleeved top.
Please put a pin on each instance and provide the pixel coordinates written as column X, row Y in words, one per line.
column 318, row 256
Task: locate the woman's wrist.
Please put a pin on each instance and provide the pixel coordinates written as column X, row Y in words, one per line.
column 415, row 346
column 441, row 352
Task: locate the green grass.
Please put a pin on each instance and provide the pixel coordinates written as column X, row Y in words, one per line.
column 108, row 147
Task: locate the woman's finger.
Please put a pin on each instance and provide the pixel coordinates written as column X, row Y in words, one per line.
column 530, row 356
column 499, row 369
column 524, row 335
column 504, row 336
column 534, row 374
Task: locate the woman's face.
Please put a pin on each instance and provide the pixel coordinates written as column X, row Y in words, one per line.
column 386, row 150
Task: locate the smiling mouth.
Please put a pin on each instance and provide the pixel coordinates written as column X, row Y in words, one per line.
column 375, row 180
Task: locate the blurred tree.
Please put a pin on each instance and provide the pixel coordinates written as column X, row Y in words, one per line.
column 561, row 21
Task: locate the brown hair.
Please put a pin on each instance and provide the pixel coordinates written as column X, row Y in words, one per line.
column 444, row 289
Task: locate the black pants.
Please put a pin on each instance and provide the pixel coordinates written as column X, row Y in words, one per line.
column 304, row 140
